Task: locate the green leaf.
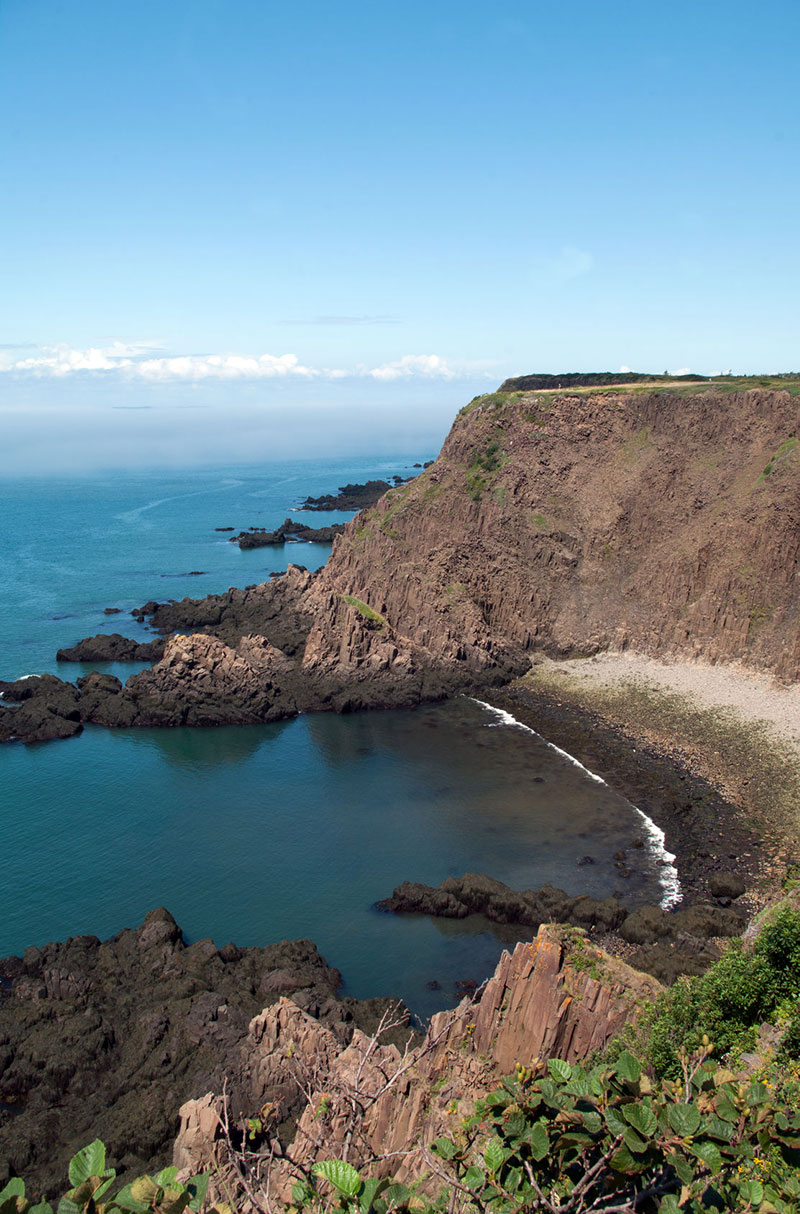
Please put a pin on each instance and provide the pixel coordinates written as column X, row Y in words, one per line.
column 709, row 1154
column 494, row 1155
column 684, row 1119
column 14, row 1188
column 684, row 1168
column 757, row 1093
column 370, row 1190
column 474, row 1178
column 166, row 1177
column 642, row 1118
column 43, row 1207
column 559, row 1069
column 726, row 1109
column 396, row 1194
column 125, row 1200
column 715, row 1127
column 593, row 1122
column 623, row 1161
column 540, row 1143
column 67, row 1206
column 628, row 1068
column 633, row 1142
column 89, row 1161
column 198, row 1187
column 615, row 1123
column 756, row 1192
column 444, row 1147
column 669, row 1205
column 301, row 1193
column 342, row 1176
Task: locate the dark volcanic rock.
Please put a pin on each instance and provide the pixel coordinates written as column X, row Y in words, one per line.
column 674, row 942
column 349, row 497
column 46, row 708
column 288, row 532
column 272, row 609
column 726, row 885
column 108, row 1039
column 112, row 647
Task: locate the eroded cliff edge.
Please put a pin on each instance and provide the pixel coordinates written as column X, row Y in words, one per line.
column 661, row 520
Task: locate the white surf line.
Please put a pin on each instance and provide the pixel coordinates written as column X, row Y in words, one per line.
column 656, row 839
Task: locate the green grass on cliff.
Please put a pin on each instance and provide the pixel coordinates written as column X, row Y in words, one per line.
column 373, row 618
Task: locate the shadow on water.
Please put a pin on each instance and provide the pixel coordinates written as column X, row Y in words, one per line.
column 216, row 746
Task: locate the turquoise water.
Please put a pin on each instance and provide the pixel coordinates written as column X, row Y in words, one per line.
column 261, row 833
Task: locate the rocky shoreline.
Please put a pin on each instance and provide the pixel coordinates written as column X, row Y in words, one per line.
column 110, row 1038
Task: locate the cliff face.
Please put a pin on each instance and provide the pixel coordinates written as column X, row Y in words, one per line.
column 553, row 998
column 666, row 522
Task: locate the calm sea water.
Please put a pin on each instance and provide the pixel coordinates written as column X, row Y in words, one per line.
column 261, row 833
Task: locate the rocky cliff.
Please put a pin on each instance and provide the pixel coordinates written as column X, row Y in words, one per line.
column 663, row 520
column 667, row 522
column 556, row 997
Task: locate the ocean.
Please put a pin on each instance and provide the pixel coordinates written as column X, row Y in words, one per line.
column 261, row 833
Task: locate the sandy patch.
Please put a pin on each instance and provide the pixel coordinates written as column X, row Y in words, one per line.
column 749, row 697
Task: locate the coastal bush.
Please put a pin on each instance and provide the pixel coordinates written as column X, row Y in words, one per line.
column 741, row 990
column 564, row 1139
column 91, row 1181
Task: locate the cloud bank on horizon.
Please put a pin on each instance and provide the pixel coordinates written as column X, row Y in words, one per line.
column 136, row 361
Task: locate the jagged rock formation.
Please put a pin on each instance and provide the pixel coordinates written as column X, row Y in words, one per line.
column 289, row 531
column 661, row 520
column 109, row 1039
column 668, row 943
column 555, row 997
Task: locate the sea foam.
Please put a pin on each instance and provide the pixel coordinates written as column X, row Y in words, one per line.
column 655, row 838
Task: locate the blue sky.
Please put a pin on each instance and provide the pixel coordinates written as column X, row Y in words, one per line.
column 322, row 216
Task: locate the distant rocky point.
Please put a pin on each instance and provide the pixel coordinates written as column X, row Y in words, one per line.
column 351, row 497
column 289, row 531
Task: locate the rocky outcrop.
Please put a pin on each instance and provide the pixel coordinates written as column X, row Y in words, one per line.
column 288, row 532
column 109, row 1039
column 677, row 941
column 201, row 681
column 350, row 497
column 273, row 609
column 662, row 520
column 112, row 647
column 554, row 997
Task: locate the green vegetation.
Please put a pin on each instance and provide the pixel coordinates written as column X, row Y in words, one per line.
column 784, row 451
column 727, row 1004
column 91, row 1182
column 567, row 1139
column 665, row 1130
column 485, row 463
column 373, row 618
column 489, row 400
column 540, row 521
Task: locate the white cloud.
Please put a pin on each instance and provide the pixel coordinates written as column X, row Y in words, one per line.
column 624, row 370
column 221, row 366
column 135, row 361
column 681, row 371
column 430, row 366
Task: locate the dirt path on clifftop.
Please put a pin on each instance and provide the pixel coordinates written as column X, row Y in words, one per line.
column 711, row 753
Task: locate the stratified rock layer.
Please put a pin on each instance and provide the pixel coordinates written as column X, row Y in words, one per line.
column 555, row 997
